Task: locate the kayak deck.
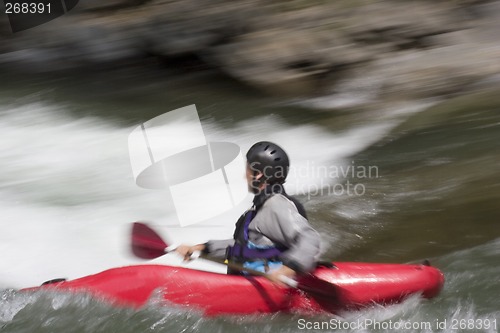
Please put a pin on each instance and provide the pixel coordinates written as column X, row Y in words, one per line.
column 356, row 285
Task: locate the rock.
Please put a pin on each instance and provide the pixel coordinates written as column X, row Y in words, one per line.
column 285, row 61
column 161, row 28
column 178, row 28
column 416, row 49
column 438, row 72
column 371, row 39
column 85, row 5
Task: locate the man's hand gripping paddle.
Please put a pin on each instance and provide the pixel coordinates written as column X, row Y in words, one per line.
column 147, row 244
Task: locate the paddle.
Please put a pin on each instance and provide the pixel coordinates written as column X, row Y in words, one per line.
column 147, row 244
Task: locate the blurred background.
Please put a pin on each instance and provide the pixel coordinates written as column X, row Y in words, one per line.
column 411, row 88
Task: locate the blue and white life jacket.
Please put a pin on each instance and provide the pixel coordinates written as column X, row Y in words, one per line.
column 244, row 251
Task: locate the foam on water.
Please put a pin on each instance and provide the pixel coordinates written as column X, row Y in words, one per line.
column 67, row 194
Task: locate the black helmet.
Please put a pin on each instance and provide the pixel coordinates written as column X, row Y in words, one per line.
column 269, row 159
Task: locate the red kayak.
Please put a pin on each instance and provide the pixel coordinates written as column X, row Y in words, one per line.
column 356, row 285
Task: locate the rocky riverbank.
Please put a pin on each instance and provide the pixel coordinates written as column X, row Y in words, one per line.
column 360, row 51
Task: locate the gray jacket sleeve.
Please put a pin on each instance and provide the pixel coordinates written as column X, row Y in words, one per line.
column 280, row 221
column 217, row 248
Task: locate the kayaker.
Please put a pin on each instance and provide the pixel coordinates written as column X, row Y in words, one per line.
column 274, row 235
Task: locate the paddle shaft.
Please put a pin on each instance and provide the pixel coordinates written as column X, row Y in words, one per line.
column 147, row 244
column 237, row 267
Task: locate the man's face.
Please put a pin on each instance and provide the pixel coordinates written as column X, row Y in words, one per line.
column 252, row 187
column 249, row 177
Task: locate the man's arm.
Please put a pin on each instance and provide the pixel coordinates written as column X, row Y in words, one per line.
column 216, row 248
column 281, row 222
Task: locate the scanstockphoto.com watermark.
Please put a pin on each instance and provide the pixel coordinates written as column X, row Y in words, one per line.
column 471, row 325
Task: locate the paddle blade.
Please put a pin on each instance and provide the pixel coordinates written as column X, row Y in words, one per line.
column 146, row 243
column 325, row 293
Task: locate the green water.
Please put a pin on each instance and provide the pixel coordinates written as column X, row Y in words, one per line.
column 439, row 184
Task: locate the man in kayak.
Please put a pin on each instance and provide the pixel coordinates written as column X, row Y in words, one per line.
column 274, row 235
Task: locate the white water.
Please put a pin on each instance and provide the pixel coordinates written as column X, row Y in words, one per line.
column 67, row 194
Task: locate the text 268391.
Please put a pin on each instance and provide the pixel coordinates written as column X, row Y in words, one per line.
column 27, row 8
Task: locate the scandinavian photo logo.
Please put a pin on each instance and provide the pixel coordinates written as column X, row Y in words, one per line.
column 335, row 180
